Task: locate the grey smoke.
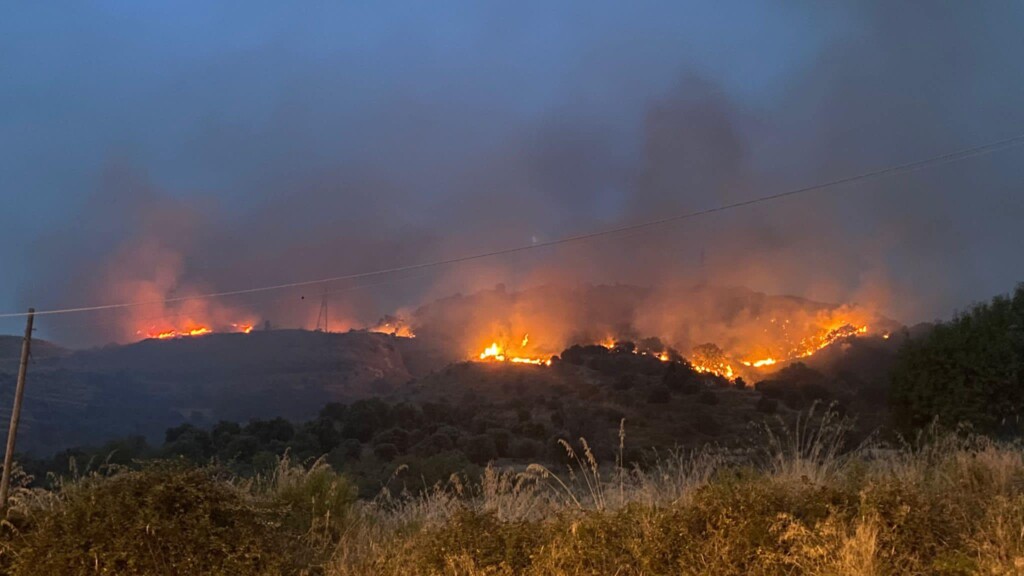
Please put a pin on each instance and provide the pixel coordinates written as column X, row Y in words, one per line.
column 347, row 171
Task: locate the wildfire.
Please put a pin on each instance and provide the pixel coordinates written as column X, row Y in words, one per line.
column 190, row 331
column 706, row 358
column 496, row 353
column 811, row 345
column 723, row 370
column 534, row 361
column 493, row 352
column 760, row 363
column 174, row 333
column 393, row 326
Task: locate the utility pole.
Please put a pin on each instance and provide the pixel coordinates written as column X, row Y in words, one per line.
column 19, row 393
column 321, row 317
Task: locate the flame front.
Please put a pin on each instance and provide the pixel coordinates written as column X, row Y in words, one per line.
column 497, row 353
column 393, row 325
column 493, row 352
column 182, row 333
column 190, row 330
column 760, row 363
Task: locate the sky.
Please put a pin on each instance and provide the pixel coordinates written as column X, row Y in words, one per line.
column 164, row 149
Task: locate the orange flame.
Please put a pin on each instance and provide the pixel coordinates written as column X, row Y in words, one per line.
column 496, row 353
column 175, row 333
column 785, row 346
column 189, row 331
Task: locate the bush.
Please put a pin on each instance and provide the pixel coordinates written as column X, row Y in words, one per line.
column 706, row 424
column 659, row 395
column 436, row 443
column 767, row 405
column 624, row 382
column 385, row 452
column 707, row 397
column 966, row 370
column 681, row 378
column 525, row 449
column 480, row 449
column 502, row 438
column 160, row 520
column 317, row 500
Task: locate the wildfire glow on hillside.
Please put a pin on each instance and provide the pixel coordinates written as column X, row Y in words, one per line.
column 707, row 358
column 393, row 325
column 497, row 353
column 191, row 330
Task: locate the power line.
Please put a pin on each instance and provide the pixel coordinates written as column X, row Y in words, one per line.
column 934, row 161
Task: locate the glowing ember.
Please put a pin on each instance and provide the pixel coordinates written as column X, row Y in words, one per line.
column 534, row 361
column 811, row 345
column 401, row 331
column 192, row 330
column 393, row 325
column 711, row 359
column 785, row 341
column 496, row 353
column 723, row 370
column 173, row 333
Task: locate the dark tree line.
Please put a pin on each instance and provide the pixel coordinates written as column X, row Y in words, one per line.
column 966, row 370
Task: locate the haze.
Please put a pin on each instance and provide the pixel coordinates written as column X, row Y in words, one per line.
column 156, row 151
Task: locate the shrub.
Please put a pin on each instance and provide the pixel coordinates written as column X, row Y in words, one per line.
column 386, row 452
column 659, row 395
column 706, row 424
column 434, row 444
column 966, row 370
column 480, row 449
column 311, row 502
column 160, row 520
column 502, row 438
column 707, row 397
column 525, row 448
column 767, row 405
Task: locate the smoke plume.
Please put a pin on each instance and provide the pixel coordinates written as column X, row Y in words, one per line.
column 334, row 176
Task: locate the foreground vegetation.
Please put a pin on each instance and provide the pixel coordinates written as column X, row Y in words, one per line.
column 795, row 504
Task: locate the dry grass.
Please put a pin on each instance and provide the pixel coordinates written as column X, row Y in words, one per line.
column 800, row 504
column 944, row 504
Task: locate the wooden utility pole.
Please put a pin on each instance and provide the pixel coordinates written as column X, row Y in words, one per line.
column 19, row 393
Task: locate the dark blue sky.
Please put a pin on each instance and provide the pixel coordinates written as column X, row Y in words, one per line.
column 314, row 139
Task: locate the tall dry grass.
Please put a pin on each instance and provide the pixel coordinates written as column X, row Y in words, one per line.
column 802, row 502
column 798, row 501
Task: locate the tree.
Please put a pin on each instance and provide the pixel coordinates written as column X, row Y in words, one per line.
column 189, row 442
column 707, row 397
column 365, row 418
column 480, row 449
column 965, row 370
column 385, row 451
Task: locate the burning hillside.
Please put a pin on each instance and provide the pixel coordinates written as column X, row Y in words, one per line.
column 191, row 329
column 727, row 332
